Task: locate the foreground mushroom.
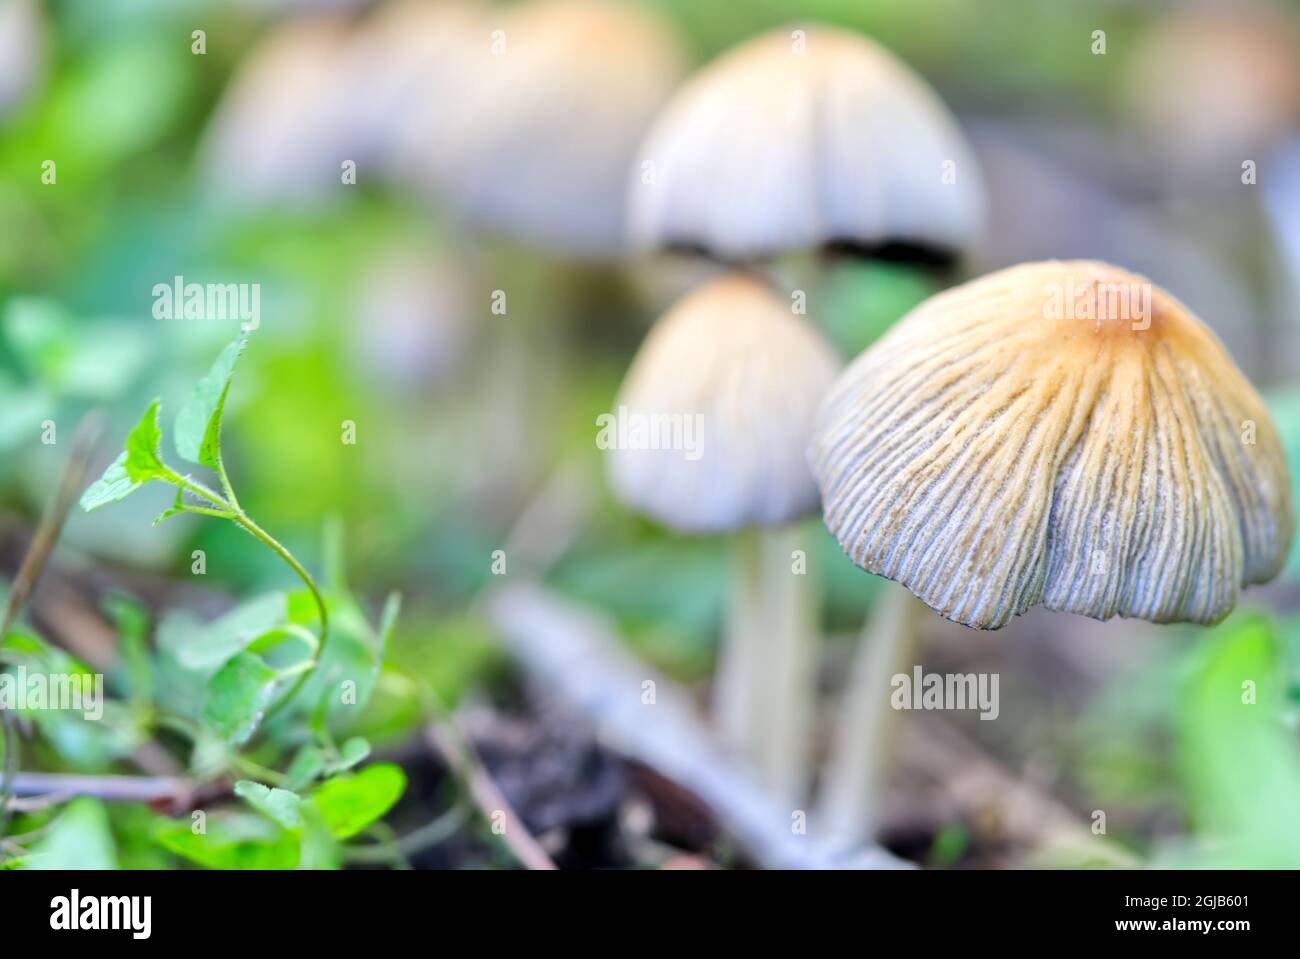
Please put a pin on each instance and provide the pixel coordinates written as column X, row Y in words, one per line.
column 738, row 376
column 1062, row 433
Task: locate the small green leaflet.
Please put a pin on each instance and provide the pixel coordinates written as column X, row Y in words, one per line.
column 143, row 459
column 349, row 803
column 278, row 804
column 138, row 464
column 198, row 424
column 114, row 485
column 238, row 696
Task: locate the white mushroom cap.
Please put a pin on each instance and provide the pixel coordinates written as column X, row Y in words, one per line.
column 277, row 136
column 1063, row 433
column 540, row 125
column 738, row 375
column 22, row 51
column 401, row 67
column 770, row 149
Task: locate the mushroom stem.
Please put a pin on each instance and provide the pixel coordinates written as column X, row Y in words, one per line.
column 850, row 804
column 785, row 703
column 736, row 681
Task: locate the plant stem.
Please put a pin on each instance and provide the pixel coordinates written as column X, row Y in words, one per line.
column 738, row 673
column 849, row 810
column 230, row 509
column 788, row 665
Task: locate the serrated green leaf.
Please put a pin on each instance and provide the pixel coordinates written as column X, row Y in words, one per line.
column 282, row 805
column 143, row 459
column 348, row 804
column 114, row 485
column 198, row 424
column 238, row 696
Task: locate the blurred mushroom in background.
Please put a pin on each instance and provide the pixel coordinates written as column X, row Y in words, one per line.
column 277, row 138
column 805, row 138
column 405, row 60
column 1211, row 87
column 1213, row 94
column 412, row 313
column 712, row 422
column 535, row 138
column 22, row 52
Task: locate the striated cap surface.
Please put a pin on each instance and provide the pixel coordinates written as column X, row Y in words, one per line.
column 1062, row 433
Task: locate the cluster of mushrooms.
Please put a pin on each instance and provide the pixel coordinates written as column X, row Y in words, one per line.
column 997, row 449
column 1023, row 439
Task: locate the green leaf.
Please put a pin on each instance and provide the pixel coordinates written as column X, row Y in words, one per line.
column 233, row 842
column 114, row 485
column 214, row 644
column 1240, row 765
column 351, row 753
column 306, row 766
column 198, row 424
column 238, row 696
column 143, row 459
column 348, row 804
column 280, row 805
column 79, row 838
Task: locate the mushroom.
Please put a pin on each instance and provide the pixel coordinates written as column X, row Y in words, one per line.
column 713, row 420
column 805, row 137
column 404, row 58
column 276, row 136
column 546, row 117
column 22, row 52
column 1059, row 433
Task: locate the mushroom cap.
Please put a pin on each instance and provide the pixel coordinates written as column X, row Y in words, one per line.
column 733, row 363
column 22, row 51
column 402, row 61
column 1007, row 444
column 768, row 149
column 1210, row 87
column 536, row 138
column 276, row 135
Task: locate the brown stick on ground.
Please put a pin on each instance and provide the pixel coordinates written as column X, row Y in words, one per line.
column 445, row 739
column 974, row 782
column 576, row 654
column 29, row 571
column 62, row 786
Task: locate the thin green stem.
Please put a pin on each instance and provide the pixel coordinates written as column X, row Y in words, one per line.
column 245, row 521
column 226, row 485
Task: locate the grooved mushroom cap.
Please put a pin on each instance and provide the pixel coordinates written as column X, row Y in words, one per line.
column 1007, row 444
column 769, row 149
column 736, row 363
